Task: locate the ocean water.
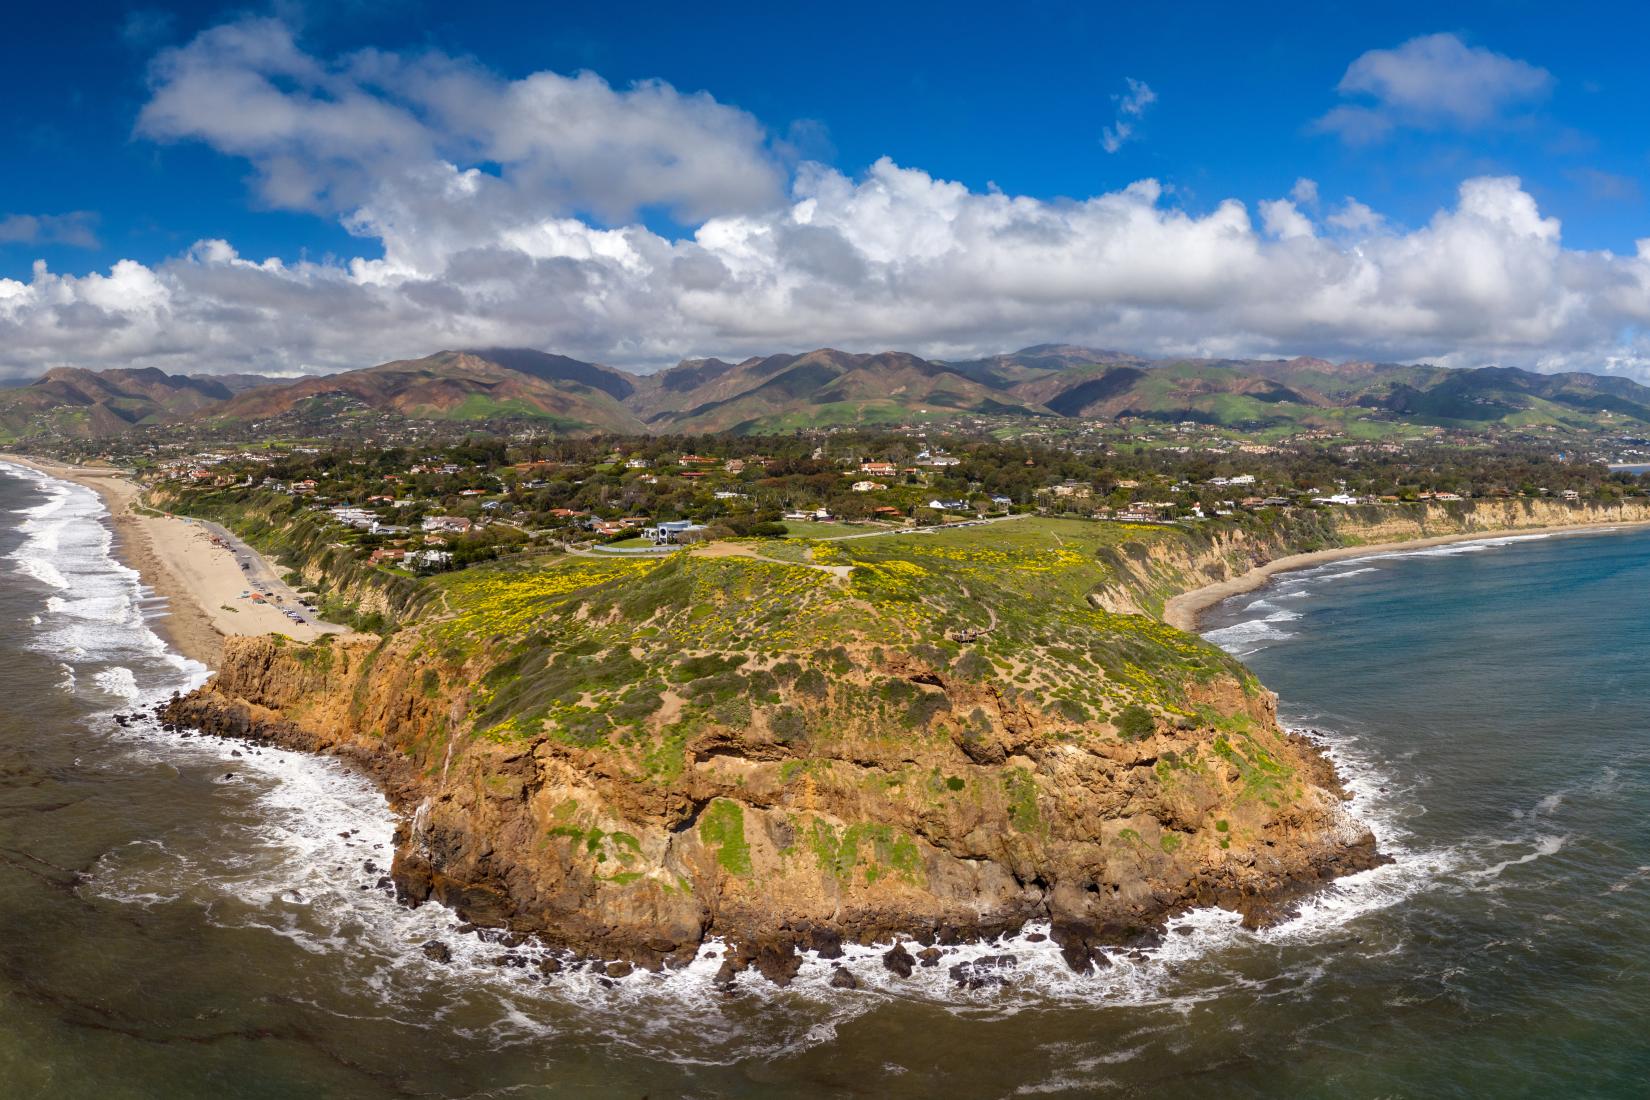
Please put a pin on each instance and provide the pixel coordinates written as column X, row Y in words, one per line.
column 186, row 917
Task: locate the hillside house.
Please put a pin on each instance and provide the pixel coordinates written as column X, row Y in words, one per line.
column 670, row 532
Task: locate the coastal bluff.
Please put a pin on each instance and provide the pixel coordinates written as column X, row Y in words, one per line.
column 1176, row 578
column 937, row 739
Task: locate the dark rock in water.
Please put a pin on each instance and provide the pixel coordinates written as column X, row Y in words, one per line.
column 466, row 928
column 512, row 939
column 984, row 971
column 826, row 942
column 369, row 867
column 844, row 979
column 1036, row 937
column 385, row 883
column 236, row 752
column 778, row 962
column 510, row 958
column 549, row 965
column 1077, row 955
column 726, row 973
column 899, row 961
column 619, row 969
column 414, row 882
column 436, row 951
column 1184, row 930
column 929, row 956
column 229, row 775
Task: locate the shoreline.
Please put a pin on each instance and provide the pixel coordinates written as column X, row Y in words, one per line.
column 1184, row 611
column 178, row 561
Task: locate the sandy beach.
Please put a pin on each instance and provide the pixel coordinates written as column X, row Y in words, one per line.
column 1182, row 611
column 199, row 576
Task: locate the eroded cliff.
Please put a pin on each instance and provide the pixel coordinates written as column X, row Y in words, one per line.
column 940, row 736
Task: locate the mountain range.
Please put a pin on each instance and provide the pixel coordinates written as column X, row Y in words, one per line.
column 827, row 388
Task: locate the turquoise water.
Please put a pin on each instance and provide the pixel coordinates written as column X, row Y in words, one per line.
column 188, row 918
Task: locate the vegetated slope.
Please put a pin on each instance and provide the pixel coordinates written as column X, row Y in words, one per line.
column 824, row 387
column 1041, row 361
column 451, row 385
column 1466, row 397
column 73, row 403
column 619, row 385
column 1509, row 395
column 942, row 736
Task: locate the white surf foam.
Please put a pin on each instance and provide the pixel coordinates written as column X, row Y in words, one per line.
column 93, row 616
column 118, row 681
column 1250, row 635
column 1449, row 549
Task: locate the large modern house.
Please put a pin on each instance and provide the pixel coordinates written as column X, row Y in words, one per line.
column 670, row 531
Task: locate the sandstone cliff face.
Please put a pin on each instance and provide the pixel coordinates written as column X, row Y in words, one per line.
column 1103, row 836
column 1148, row 573
column 787, row 796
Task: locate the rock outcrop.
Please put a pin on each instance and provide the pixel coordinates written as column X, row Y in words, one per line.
column 1102, row 837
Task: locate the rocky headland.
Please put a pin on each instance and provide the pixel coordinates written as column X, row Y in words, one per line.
column 789, row 746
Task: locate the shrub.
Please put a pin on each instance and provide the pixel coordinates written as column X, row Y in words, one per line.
column 1135, row 722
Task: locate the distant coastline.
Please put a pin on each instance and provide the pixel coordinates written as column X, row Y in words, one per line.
column 177, row 560
column 1184, row 611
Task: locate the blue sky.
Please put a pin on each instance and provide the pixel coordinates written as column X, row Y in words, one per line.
column 1397, row 107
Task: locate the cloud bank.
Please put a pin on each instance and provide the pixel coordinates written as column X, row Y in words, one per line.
column 511, row 212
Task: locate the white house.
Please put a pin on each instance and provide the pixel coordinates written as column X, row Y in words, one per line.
column 670, row 531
